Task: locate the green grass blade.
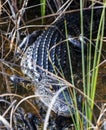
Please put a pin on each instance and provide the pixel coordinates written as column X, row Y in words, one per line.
column 43, row 9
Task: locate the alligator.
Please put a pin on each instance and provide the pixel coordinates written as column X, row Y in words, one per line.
column 48, row 52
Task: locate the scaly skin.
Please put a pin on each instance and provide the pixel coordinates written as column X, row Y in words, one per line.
column 49, row 52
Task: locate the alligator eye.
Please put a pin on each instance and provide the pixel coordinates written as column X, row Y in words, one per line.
column 15, row 79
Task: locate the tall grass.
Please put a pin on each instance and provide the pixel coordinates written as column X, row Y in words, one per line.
column 77, row 116
column 43, row 9
column 89, row 70
column 90, row 79
column 97, row 55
